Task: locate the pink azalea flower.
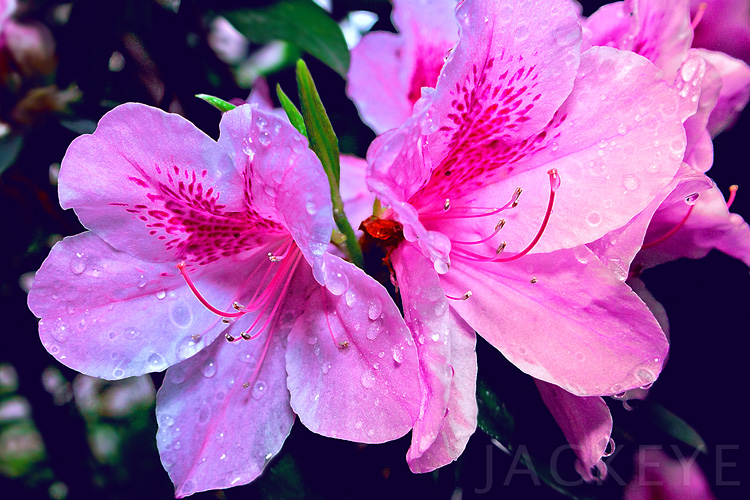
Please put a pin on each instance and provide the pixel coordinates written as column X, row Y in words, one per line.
column 388, row 71
column 657, row 475
column 590, row 139
column 714, row 89
column 192, row 241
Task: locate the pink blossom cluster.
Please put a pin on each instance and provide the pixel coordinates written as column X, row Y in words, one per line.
column 530, row 163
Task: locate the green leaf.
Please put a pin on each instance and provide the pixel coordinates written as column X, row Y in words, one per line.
column 324, row 143
column 299, row 22
column 217, row 103
column 10, row 146
column 494, row 418
column 295, row 117
column 672, row 425
column 319, row 129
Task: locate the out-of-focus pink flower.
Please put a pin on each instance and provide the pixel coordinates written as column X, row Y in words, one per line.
column 658, row 476
column 589, row 138
column 192, row 241
column 387, row 70
column 724, row 27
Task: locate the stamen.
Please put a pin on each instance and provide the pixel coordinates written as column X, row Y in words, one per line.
column 554, row 185
column 671, row 232
column 181, row 266
column 516, row 195
column 500, row 248
column 343, row 344
column 498, row 227
column 732, row 194
column 698, row 15
column 447, row 204
column 275, row 258
column 465, row 296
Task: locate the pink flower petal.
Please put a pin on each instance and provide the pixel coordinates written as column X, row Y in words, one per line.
column 735, row 89
column 375, row 81
column 223, row 414
column 358, row 200
column 504, row 80
column 286, row 181
column 448, row 364
column 147, row 182
column 562, row 318
column 585, row 422
column 710, row 225
column 111, row 315
column 352, row 365
column 657, row 475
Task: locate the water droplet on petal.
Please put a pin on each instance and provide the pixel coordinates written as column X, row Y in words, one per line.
column 78, row 263
column 631, row 182
column 374, row 308
column 161, row 294
column 157, row 362
column 141, row 281
column 351, row 298
column 264, row 138
column 181, row 314
column 118, row 373
column 209, row 369
column 398, row 354
column 259, row 389
column 311, row 208
column 337, row 283
column 594, row 218
column 441, row 307
column 368, row 379
column 692, row 198
column 325, row 368
column 622, row 129
column 373, row 331
column 204, row 413
column 312, row 340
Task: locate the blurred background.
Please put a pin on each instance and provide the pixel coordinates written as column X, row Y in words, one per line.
column 68, row 436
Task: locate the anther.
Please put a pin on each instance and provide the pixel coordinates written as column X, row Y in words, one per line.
column 447, row 204
column 533, row 280
column 698, row 15
column 500, row 248
column 226, row 321
column 500, row 224
column 465, row 296
column 237, row 306
column 246, row 336
column 230, row 338
column 272, row 257
column 732, row 193
column 516, row 195
column 343, row 344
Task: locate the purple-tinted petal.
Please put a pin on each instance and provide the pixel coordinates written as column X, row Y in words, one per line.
column 504, row 80
column 562, row 318
column 612, row 25
column 358, row 199
column 149, row 183
column 286, row 180
column 448, row 365
column 376, row 81
column 111, row 315
column 223, row 414
column 352, row 365
column 698, row 101
column 710, row 225
column 585, row 422
column 725, row 27
column 735, row 89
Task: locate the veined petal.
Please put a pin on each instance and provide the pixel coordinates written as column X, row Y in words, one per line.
column 351, row 363
column 585, row 422
column 110, row 315
column 448, row 364
column 504, row 80
column 224, row 414
column 152, row 185
column 562, row 318
column 613, row 156
column 286, row 181
column 710, row 226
